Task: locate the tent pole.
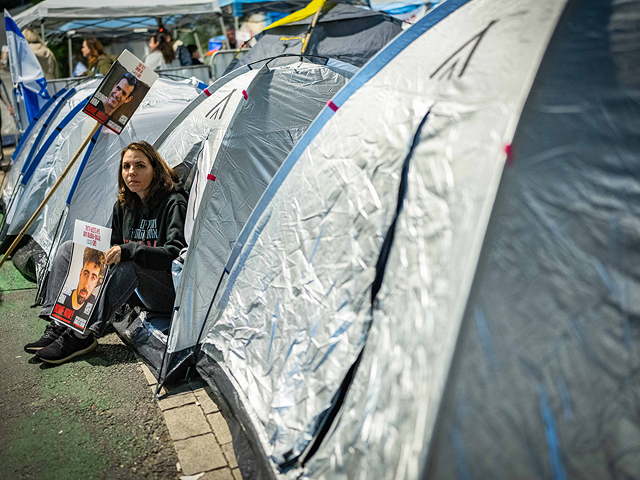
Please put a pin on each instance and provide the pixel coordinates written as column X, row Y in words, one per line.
column 313, row 24
column 42, row 30
column 70, row 56
column 85, row 142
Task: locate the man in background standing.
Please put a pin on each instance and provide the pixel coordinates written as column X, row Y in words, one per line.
column 231, row 36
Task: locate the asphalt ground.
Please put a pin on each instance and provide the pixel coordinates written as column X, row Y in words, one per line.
column 91, row 418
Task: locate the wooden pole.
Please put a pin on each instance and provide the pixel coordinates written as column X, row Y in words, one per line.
column 313, row 24
column 50, row 194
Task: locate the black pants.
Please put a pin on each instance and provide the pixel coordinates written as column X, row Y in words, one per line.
column 153, row 287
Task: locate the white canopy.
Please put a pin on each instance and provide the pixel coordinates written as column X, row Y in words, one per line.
column 126, row 14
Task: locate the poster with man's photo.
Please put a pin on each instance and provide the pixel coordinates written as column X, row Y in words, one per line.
column 87, row 269
column 120, row 92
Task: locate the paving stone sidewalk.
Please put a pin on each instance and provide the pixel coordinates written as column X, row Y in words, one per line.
column 199, row 431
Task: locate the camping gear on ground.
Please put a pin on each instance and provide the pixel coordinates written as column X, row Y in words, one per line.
column 437, row 283
column 350, row 34
column 228, row 143
column 85, row 194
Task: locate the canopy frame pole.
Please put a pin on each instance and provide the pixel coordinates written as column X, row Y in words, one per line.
column 69, row 44
column 313, row 24
column 42, row 30
column 224, row 31
column 15, row 243
column 197, row 39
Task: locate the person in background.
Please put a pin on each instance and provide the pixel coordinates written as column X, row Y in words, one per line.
column 182, row 53
column 195, row 55
column 45, row 56
column 7, row 103
column 162, row 55
column 231, row 36
column 97, row 58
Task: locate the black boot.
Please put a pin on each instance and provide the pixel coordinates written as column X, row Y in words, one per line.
column 67, row 346
column 51, row 333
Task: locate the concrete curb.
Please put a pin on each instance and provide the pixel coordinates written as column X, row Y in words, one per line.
column 199, row 432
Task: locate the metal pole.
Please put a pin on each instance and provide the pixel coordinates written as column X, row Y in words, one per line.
column 224, row 30
column 197, row 39
column 70, row 56
column 235, row 23
column 42, row 31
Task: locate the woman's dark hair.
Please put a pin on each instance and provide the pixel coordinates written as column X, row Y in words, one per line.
column 162, row 181
column 165, row 47
column 95, row 50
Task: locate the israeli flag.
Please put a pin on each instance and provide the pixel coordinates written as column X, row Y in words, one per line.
column 26, row 72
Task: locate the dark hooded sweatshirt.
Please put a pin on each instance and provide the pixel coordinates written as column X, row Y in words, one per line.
column 151, row 235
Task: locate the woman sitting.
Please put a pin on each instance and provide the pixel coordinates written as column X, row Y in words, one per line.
column 162, row 55
column 97, row 58
column 147, row 235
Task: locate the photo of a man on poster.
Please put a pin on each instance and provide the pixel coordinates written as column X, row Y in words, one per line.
column 120, row 93
column 92, row 264
column 75, row 306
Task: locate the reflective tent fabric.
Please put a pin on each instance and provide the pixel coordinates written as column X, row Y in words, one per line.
column 43, row 138
column 39, row 162
column 274, row 111
column 27, row 143
column 453, row 164
column 346, row 33
column 548, row 353
column 428, row 120
column 97, row 182
column 64, row 142
column 195, row 138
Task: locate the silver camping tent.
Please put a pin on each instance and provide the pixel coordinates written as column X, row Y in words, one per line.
column 438, row 282
column 231, row 139
column 43, row 123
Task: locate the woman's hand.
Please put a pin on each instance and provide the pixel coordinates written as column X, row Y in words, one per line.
column 114, row 254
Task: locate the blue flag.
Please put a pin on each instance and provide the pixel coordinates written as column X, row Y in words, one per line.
column 26, row 71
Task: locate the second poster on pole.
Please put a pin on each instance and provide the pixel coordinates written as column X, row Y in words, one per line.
column 120, row 92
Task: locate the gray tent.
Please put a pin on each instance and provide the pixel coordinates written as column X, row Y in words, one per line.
column 439, row 282
column 229, row 142
column 343, row 32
